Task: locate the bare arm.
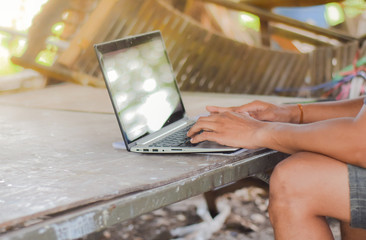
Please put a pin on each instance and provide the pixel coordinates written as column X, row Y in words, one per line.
column 291, row 113
column 342, row 137
column 326, row 110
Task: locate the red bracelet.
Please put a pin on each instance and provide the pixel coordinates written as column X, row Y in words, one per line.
column 301, row 113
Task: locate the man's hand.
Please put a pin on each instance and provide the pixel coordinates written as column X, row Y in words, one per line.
column 228, row 128
column 263, row 111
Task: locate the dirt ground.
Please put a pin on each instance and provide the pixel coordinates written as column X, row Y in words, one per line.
column 243, row 216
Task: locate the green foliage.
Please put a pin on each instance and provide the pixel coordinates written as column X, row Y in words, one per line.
column 7, row 49
column 249, row 20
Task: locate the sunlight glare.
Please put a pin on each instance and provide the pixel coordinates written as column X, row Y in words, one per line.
column 148, row 110
column 149, row 85
column 18, row 14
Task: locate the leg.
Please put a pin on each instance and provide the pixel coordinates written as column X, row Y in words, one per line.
column 349, row 233
column 304, row 189
column 211, row 196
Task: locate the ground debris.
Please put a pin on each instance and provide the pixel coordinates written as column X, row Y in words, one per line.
column 206, row 228
column 242, row 215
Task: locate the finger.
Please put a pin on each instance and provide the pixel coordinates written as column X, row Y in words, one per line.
column 243, row 115
column 253, row 106
column 200, row 126
column 250, row 107
column 215, row 109
column 263, row 116
column 205, row 136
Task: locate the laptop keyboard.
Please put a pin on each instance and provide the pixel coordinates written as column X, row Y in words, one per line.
column 176, row 139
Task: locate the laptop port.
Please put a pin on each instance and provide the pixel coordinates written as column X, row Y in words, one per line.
column 146, row 150
column 155, row 150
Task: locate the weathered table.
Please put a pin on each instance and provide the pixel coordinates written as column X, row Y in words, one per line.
column 60, row 177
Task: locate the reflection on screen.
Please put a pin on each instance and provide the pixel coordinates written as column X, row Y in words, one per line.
column 142, row 87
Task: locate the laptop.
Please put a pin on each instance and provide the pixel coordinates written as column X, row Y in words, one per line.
column 145, row 96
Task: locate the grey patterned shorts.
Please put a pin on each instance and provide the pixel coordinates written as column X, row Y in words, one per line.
column 357, row 184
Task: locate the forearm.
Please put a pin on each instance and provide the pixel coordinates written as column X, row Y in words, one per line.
column 342, row 139
column 314, row 112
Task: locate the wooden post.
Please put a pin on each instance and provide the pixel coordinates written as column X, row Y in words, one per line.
column 87, row 33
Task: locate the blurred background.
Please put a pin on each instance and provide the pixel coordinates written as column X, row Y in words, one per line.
column 15, row 19
column 309, row 48
column 291, row 48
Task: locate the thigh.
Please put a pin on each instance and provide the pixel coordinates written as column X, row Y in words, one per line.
column 317, row 182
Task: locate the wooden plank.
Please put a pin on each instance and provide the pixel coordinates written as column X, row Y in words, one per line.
column 230, row 60
column 268, row 70
column 328, row 69
column 269, row 16
column 363, row 48
column 242, row 72
column 76, row 223
column 249, row 69
column 68, row 160
column 86, row 62
column 209, row 64
column 65, row 96
column 240, row 52
column 296, row 77
column 58, row 72
column 286, row 3
column 301, row 75
column 320, row 66
column 87, row 32
column 294, row 33
column 282, row 70
column 60, row 139
column 41, row 27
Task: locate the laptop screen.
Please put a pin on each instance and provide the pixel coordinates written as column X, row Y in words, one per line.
column 141, row 84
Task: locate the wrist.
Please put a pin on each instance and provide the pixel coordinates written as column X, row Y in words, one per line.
column 296, row 113
column 263, row 135
column 273, row 134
